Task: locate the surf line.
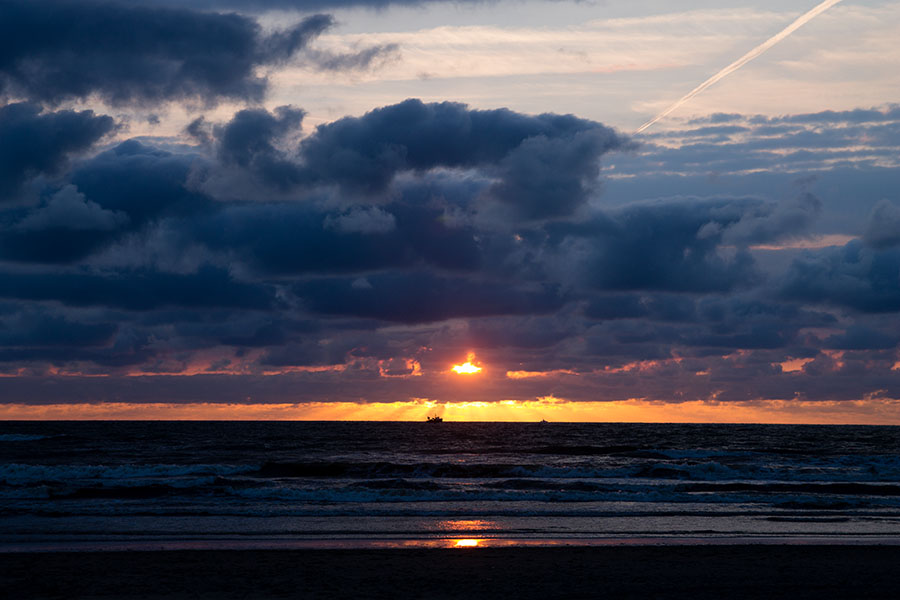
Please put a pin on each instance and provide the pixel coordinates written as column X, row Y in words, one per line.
column 797, row 24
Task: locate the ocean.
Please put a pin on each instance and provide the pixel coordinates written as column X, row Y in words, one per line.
column 95, row 485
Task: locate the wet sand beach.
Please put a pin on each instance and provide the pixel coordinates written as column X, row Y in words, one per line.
column 695, row 572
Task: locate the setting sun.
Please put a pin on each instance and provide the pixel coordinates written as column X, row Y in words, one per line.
column 468, row 367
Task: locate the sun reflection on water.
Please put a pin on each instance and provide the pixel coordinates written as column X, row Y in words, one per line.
column 465, row 525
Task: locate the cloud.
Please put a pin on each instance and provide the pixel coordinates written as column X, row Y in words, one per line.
column 832, row 155
column 248, row 141
column 545, row 177
column 139, row 54
column 301, row 238
column 420, row 296
column 68, row 209
column 66, row 228
column 362, row 220
column 883, row 229
column 36, row 142
column 364, row 154
column 137, row 290
column 353, row 61
column 860, row 337
column 36, row 327
column 839, row 117
column 115, row 193
column 142, row 181
column 654, row 326
column 772, row 223
column 852, row 276
column 296, row 240
column 519, row 332
column 673, row 245
column 395, row 242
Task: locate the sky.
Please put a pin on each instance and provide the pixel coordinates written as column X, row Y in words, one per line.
column 313, row 209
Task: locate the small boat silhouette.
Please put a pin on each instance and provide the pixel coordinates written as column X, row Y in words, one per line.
column 434, row 419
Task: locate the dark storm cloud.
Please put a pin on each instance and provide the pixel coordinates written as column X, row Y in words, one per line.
column 115, row 192
column 671, row 246
column 53, row 50
column 41, row 328
column 661, row 307
column 420, row 297
column 68, row 209
column 430, row 236
column 295, row 240
column 530, row 332
column 301, row 238
column 311, row 352
column 653, row 326
column 883, row 229
column 773, row 223
column 545, row 177
column 852, row 276
column 33, row 142
column 126, row 348
column 252, row 132
column 141, row 181
column 137, row 289
column 282, row 45
column 253, row 330
column 248, row 141
column 546, row 163
column 859, row 337
column 616, row 306
column 64, row 228
column 134, row 184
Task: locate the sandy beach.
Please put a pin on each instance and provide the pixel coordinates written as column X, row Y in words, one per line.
column 694, row 572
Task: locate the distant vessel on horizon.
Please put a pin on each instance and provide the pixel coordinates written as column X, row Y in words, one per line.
column 434, row 419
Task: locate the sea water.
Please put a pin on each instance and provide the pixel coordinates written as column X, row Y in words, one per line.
column 276, row 484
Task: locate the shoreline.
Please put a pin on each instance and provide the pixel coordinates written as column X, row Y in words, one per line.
column 697, row 572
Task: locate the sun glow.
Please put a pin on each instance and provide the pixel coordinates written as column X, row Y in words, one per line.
column 468, row 367
column 466, row 543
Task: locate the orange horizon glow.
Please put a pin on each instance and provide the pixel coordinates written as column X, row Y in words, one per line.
column 538, row 374
column 859, row 412
column 794, row 365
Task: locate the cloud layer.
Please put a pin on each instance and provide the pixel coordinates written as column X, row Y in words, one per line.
column 256, row 258
column 53, row 51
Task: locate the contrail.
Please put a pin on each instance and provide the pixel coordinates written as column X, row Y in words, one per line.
column 800, row 22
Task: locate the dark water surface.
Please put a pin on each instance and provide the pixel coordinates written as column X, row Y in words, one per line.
column 70, row 483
